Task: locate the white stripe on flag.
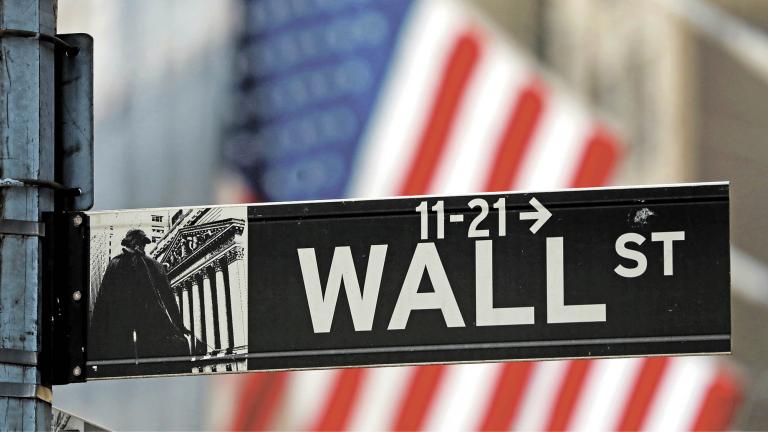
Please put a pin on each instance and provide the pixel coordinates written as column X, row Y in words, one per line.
column 491, row 95
column 605, row 394
column 558, row 144
column 307, row 390
column 539, row 400
column 377, row 399
column 464, row 393
column 405, row 102
column 680, row 394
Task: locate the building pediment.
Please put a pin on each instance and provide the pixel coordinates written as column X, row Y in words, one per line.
column 192, row 243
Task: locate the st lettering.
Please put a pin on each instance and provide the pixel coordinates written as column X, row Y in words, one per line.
column 623, row 249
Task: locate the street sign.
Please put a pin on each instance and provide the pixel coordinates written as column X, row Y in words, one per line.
column 602, row 272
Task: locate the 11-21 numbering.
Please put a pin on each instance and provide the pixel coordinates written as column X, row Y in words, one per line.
column 473, row 232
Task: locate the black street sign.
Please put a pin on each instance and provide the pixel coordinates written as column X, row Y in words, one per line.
column 604, row 272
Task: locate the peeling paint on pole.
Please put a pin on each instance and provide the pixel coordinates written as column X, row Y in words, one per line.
column 26, row 151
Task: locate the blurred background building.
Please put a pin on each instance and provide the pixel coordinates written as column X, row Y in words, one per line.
column 185, row 116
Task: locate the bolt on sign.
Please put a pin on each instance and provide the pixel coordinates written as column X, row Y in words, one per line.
column 605, row 272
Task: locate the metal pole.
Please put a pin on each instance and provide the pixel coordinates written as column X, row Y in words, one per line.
column 26, row 151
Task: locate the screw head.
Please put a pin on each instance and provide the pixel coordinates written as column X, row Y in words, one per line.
column 77, row 295
column 76, row 371
column 77, row 220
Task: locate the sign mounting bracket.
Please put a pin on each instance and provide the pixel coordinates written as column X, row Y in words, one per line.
column 74, row 122
column 65, row 281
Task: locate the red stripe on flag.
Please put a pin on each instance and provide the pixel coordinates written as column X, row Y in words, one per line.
column 341, row 400
column 568, row 394
column 259, row 398
column 643, row 391
column 516, row 137
column 456, row 73
column 419, row 396
column 598, row 160
column 248, row 196
column 507, row 396
column 720, row 403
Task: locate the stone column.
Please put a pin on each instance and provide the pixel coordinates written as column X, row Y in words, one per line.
column 225, row 312
column 183, row 294
column 211, row 326
column 238, row 285
column 199, row 301
column 189, row 318
column 211, row 271
column 179, row 288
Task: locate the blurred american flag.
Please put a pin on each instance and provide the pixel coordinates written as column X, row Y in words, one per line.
column 462, row 110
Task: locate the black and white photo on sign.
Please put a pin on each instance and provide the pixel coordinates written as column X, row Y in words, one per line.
column 168, row 283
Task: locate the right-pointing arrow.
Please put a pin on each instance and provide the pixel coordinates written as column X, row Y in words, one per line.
column 541, row 215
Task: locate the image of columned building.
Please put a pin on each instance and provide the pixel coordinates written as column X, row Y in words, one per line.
column 205, row 255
